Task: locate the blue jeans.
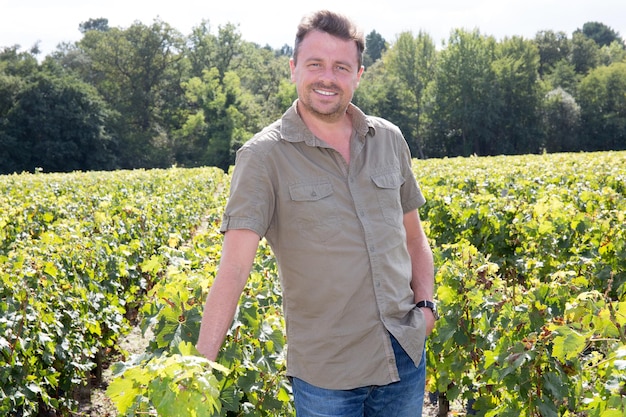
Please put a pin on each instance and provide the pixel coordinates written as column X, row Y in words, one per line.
column 404, row 398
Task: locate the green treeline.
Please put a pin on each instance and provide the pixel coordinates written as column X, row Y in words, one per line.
column 148, row 96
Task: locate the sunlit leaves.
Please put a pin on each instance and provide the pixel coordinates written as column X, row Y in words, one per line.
column 531, row 280
column 177, row 384
column 77, row 256
column 531, row 273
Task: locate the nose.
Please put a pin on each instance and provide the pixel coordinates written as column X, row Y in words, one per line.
column 328, row 74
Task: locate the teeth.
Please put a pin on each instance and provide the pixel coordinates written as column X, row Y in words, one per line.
column 325, row 93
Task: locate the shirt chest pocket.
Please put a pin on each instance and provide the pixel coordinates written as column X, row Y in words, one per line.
column 313, row 210
column 387, row 185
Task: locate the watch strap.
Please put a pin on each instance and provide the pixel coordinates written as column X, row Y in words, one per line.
column 428, row 304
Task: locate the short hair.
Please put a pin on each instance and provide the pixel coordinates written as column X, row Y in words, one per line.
column 334, row 24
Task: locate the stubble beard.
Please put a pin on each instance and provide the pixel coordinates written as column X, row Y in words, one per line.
column 320, row 110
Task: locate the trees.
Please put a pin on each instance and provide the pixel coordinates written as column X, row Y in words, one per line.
column 561, row 121
column 49, row 119
column 516, row 68
column 101, row 24
column 585, row 54
column 263, row 73
column 152, row 77
column 466, row 104
column 487, row 97
column 562, row 75
column 237, row 91
column 601, row 34
column 14, row 69
column 412, row 62
column 614, row 52
column 192, row 100
column 602, row 97
column 554, row 47
column 57, row 124
column 212, row 134
column 136, row 71
column 375, row 45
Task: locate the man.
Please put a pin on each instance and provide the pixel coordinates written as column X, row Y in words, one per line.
column 332, row 191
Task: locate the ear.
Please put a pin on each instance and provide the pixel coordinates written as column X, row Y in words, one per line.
column 358, row 75
column 292, row 67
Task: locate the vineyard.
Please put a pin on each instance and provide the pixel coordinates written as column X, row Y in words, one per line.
column 531, row 280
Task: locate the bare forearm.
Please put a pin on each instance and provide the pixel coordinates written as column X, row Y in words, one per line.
column 423, row 278
column 423, row 272
column 422, row 265
column 219, row 312
column 238, row 251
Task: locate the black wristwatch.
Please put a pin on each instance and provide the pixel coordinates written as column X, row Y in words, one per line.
column 428, row 304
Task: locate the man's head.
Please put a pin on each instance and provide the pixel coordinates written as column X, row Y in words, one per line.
column 334, row 24
column 327, row 66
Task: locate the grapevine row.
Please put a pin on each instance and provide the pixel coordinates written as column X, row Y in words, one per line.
column 531, row 255
column 531, row 272
column 531, row 280
column 75, row 256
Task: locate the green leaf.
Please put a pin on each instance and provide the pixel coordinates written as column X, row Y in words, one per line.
column 568, row 344
column 555, row 385
column 547, row 408
column 283, row 395
column 230, row 398
column 612, row 413
column 123, row 392
column 151, row 265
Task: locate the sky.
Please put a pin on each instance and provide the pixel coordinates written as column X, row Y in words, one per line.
column 274, row 22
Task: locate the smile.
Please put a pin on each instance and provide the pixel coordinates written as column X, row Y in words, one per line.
column 325, row 93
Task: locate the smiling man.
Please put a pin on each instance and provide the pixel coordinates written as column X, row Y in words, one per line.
column 332, row 191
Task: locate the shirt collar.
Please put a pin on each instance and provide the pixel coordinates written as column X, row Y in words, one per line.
column 293, row 129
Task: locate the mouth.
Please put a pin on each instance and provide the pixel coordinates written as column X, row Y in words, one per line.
column 325, row 92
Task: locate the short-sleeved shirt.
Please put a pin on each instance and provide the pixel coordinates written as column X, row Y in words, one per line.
column 337, row 232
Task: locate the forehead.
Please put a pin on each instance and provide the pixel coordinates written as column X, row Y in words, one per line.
column 320, row 45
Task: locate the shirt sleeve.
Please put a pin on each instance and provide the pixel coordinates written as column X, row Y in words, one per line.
column 251, row 202
column 410, row 192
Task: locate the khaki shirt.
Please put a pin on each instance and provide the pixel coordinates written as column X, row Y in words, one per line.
column 337, row 233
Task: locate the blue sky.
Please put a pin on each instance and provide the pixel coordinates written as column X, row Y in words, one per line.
column 25, row 22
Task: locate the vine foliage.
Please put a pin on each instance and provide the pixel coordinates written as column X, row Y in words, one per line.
column 530, row 254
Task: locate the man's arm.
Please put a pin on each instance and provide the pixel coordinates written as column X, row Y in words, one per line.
column 238, row 252
column 423, row 278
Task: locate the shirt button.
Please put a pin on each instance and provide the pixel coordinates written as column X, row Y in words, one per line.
column 377, row 284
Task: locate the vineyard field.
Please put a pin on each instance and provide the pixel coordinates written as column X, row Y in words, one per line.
column 530, row 256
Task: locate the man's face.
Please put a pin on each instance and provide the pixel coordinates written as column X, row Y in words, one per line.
column 326, row 73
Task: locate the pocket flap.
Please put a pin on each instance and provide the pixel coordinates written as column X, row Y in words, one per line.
column 388, row 179
column 310, row 192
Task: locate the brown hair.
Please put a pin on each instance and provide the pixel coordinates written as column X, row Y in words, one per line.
column 334, row 24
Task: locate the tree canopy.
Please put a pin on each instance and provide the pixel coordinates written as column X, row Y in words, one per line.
column 148, row 96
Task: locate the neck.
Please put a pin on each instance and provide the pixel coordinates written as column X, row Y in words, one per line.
column 326, row 126
column 336, row 133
